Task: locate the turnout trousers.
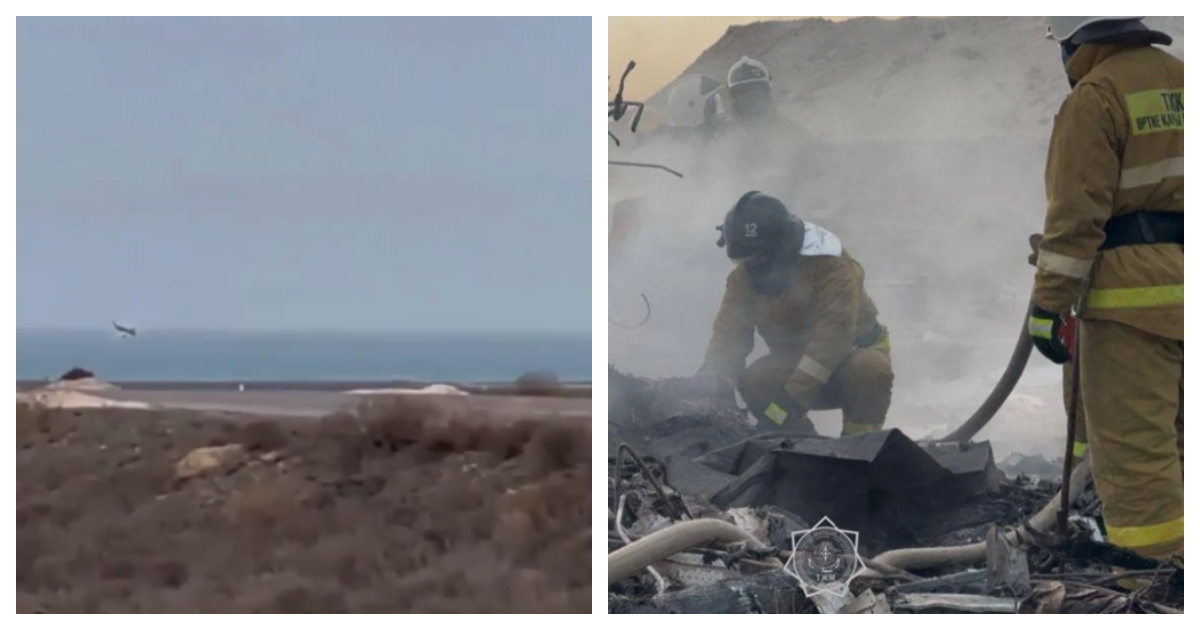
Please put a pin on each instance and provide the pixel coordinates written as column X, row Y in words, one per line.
column 1132, row 388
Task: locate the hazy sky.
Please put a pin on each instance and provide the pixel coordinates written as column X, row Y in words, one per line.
column 301, row 173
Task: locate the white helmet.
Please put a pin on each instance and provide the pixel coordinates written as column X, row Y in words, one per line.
column 747, row 70
column 693, row 101
column 1061, row 29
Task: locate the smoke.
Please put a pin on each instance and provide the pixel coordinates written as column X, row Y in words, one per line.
column 933, row 134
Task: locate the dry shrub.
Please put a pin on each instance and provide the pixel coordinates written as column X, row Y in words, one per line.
column 169, row 573
column 36, row 424
column 29, row 425
column 506, row 440
column 538, row 384
column 262, row 435
column 546, row 500
column 395, row 423
column 395, row 512
column 558, row 447
column 302, row 600
column 266, row 503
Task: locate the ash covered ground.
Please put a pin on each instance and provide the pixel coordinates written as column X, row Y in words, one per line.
column 406, row 510
column 669, row 467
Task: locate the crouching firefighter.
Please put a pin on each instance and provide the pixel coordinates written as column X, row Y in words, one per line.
column 1114, row 244
column 802, row 292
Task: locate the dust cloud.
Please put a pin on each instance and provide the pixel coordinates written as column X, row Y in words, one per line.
column 929, row 137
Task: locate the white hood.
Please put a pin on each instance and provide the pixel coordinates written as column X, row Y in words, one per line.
column 820, row 242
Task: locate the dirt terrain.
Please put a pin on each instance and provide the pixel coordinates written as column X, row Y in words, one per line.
column 915, row 78
column 414, row 507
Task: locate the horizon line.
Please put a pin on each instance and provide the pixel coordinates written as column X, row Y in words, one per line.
column 426, row 331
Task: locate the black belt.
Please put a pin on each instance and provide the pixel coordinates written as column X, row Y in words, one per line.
column 1143, row 227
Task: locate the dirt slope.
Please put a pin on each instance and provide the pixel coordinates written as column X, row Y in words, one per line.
column 919, row 78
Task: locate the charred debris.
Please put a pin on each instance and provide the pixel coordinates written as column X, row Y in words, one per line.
column 701, row 511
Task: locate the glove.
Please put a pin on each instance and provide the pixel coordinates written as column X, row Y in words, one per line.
column 1053, row 335
column 785, row 408
column 1035, row 241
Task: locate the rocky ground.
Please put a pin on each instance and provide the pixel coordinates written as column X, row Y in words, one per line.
column 405, row 510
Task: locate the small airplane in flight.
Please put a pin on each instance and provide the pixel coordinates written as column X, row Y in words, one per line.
column 126, row 332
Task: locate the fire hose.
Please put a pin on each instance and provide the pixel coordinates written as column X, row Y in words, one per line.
column 1043, row 521
column 664, row 543
column 1004, row 387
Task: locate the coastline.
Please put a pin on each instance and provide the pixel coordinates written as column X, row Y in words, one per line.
column 480, row 387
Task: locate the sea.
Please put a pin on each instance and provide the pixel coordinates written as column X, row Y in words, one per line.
column 213, row 356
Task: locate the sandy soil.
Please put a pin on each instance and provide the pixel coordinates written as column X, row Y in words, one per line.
column 419, row 506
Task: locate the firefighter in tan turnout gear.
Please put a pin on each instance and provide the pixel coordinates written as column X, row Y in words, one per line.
column 802, row 292
column 1113, row 245
column 778, row 154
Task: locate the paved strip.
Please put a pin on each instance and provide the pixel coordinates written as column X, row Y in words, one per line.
column 310, row 404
